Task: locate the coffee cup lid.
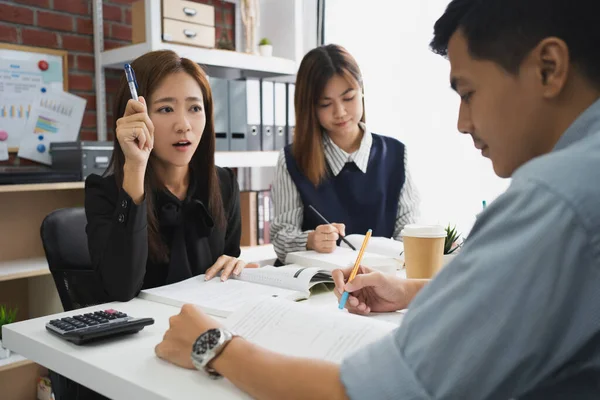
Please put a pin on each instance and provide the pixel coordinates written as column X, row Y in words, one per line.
column 424, row 231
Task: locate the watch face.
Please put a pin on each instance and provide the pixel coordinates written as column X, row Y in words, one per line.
column 208, row 340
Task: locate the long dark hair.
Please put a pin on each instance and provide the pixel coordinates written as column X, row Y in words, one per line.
column 317, row 67
column 150, row 70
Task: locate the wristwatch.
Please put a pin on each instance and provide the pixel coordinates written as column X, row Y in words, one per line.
column 208, row 346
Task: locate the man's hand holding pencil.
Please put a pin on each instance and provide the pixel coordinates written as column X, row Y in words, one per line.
column 372, row 291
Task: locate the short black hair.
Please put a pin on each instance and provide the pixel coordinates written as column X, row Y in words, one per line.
column 505, row 31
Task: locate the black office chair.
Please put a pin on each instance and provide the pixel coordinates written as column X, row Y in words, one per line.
column 65, row 243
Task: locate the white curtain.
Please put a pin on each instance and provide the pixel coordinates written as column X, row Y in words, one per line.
column 408, row 96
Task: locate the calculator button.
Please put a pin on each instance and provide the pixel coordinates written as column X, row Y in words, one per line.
column 65, row 326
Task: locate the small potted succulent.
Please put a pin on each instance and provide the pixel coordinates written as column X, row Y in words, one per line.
column 451, row 245
column 265, row 47
column 7, row 316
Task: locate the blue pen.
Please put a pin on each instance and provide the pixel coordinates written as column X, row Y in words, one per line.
column 131, row 81
column 355, row 269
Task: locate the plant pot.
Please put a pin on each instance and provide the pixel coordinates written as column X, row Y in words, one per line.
column 4, row 353
column 266, row 50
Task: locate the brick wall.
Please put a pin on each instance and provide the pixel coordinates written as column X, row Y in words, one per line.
column 67, row 24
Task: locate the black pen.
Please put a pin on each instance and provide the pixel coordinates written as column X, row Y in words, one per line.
column 329, row 223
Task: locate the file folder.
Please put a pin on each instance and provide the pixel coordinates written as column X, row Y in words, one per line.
column 291, row 113
column 267, row 115
column 280, row 115
column 244, row 116
column 219, row 88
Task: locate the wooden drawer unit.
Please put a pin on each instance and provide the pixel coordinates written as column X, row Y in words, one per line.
column 190, row 34
column 183, row 22
column 188, row 11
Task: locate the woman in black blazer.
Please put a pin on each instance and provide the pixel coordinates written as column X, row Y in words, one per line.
column 164, row 212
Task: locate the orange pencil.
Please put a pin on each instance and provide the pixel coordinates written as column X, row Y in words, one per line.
column 355, row 269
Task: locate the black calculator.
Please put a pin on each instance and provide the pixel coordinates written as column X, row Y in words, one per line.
column 98, row 325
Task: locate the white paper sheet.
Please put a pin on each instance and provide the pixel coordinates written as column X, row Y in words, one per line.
column 299, row 330
column 3, row 152
column 21, row 82
column 378, row 245
column 14, row 111
column 54, row 117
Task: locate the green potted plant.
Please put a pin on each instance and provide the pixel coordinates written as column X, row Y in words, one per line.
column 451, row 245
column 7, row 316
column 265, row 47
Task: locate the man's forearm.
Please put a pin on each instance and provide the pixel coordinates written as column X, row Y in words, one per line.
column 413, row 286
column 267, row 375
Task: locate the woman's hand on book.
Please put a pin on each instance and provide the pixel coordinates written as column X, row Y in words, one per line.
column 184, row 329
column 324, row 238
column 372, row 291
column 227, row 265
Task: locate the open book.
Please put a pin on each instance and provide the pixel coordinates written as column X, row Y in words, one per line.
column 297, row 329
column 220, row 299
column 343, row 257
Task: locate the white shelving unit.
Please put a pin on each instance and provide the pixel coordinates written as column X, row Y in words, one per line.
column 239, row 159
column 252, row 64
column 23, row 268
column 279, row 16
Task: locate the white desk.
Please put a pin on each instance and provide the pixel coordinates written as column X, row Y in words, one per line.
column 126, row 367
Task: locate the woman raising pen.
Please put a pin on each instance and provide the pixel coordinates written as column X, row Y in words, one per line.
column 165, row 212
column 356, row 179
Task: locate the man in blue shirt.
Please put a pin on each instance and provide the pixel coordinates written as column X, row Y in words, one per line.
column 517, row 313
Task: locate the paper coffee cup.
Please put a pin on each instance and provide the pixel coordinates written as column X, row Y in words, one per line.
column 423, row 250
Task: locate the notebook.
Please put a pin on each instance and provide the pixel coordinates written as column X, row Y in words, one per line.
column 378, row 245
column 343, row 257
column 299, row 330
column 220, row 299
